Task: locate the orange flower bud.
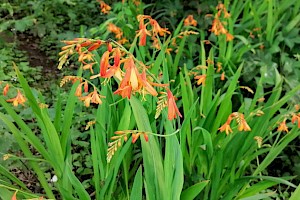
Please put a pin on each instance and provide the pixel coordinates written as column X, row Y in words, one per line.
column 5, row 90
column 146, row 137
column 86, row 43
column 117, row 57
column 222, row 76
column 94, row 46
column 109, row 46
column 86, row 86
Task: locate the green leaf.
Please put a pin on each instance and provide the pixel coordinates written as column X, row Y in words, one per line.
column 136, row 192
column 296, row 194
column 194, row 190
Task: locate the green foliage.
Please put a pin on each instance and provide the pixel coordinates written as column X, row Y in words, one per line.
column 193, row 157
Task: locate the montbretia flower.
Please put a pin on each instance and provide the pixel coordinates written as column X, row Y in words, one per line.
column 142, row 34
column 19, row 99
column 283, row 127
column 229, row 37
column 296, row 118
column 146, row 85
column 89, row 66
column 242, row 124
column 190, row 21
column 116, row 30
column 104, row 7
column 78, row 91
column 157, row 29
column 201, row 79
column 172, row 107
column 92, row 97
column 130, row 81
column 225, row 127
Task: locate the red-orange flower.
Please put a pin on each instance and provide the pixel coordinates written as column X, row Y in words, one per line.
column 130, row 81
column 145, row 85
column 104, row 65
column 172, row 107
column 143, row 32
column 19, row 99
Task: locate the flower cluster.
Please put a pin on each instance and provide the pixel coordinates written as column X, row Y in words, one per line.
column 154, row 32
column 133, row 76
column 240, row 119
column 218, row 26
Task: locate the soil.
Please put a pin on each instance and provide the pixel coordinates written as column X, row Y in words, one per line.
column 36, row 57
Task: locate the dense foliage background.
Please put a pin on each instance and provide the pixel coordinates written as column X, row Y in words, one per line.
column 228, row 66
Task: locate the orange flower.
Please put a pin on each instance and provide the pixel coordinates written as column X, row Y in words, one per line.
column 116, row 30
column 117, row 56
column 130, row 81
column 143, row 32
column 225, row 127
column 217, row 27
column 283, row 127
column 78, row 91
column 104, row 65
column 296, row 117
column 123, row 41
column 243, row 126
column 190, row 21
column 229, row 37
column 89, row 66
column 135, row 136
column 157, row 29
column 124, row 91
column 5, row 89
column 145, row 85
column 104, row 7
column 95, row 46
column 93, row 97
column 19, row 99
column 172, row 107
column 201, row 79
